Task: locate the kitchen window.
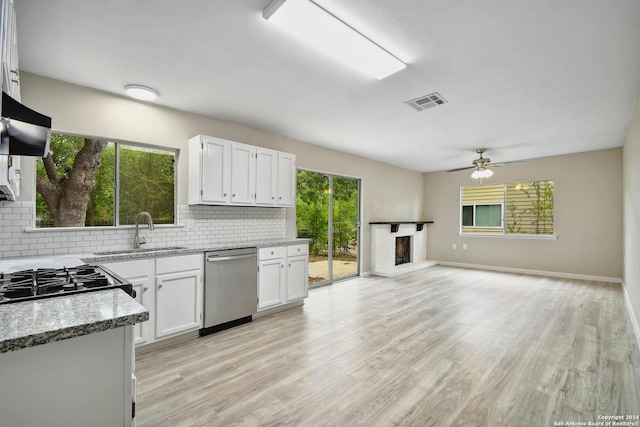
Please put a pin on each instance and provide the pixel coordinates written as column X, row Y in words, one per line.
column 522, row 208
column 89, row 182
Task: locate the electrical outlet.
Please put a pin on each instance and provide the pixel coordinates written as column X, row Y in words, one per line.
column 464, row 246
column 455, row 246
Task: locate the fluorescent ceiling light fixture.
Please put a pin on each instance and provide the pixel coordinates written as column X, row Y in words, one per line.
column 141, row 92
column 320, row 29
column 481, row 173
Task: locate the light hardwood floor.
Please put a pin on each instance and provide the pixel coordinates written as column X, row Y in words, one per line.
column 437, row 347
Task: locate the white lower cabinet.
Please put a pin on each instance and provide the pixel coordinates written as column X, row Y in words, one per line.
column 171, row 288
column 283, row 275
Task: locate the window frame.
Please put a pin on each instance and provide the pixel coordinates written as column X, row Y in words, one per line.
column 475, row 207
column 116, row 200
column 505, row 233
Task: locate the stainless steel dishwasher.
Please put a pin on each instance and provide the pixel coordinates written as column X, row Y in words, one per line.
column 230, row 288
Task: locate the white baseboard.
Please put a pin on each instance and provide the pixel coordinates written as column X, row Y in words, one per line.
column 533, row 272
column 365, row 274
column 632, row 316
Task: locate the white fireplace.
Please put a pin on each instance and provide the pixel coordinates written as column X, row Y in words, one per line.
column 385, row 257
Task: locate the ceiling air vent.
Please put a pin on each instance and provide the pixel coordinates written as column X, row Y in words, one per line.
column 426, row 101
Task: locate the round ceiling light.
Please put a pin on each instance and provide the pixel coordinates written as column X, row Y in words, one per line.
column 141, row 92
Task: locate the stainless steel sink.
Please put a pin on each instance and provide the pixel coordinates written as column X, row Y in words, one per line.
column 142, row 250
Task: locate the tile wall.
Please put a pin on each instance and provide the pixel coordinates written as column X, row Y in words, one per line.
column 198, row 226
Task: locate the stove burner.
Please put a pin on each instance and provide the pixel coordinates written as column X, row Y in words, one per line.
column 47, row 282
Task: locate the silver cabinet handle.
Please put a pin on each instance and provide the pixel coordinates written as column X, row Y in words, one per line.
column 145, row 289
column 233, row 195
column 271, row 252
column 228, row 258
column 289, row 264
column 160, row 286
column 224, row 195
column 272, row 197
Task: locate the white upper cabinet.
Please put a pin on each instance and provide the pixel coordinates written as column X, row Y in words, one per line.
column 243, row 169
column 286, row 179
column 10, row 176
column 266, row 177
column 209, row 170
column 9, row 46
column 224, row 172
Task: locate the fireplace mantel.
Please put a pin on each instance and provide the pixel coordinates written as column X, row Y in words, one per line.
column 383, row 241
column 395, row 225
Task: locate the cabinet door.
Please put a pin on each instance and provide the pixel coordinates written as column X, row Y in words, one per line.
column 286, row 179
column 5, row 184
column 178, row 306
column 15, row 175
column 143, row 287
column 297, row 277
column 243, row 168
column 215, row 174
column 271, row 282
column 266, row 177
column 141, row 275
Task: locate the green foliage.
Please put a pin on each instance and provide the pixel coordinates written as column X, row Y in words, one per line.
column 534, row 216
column 345, row 213
column 312, row 210
column 147, row 183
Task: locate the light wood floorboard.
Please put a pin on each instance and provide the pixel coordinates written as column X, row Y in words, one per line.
column 437, row 347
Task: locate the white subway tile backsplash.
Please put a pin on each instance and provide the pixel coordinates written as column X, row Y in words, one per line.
column 202, row 226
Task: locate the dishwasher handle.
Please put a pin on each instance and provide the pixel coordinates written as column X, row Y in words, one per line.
column 216, row 258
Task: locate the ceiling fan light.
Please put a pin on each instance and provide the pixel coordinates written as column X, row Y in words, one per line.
column 481, row 173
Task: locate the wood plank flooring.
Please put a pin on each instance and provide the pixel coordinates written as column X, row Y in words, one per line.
column 438, row 347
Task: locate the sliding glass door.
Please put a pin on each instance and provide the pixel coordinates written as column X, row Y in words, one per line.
column 328, row 213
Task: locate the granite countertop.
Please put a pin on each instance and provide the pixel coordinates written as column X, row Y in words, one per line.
column 9, row 265
column 31, row 323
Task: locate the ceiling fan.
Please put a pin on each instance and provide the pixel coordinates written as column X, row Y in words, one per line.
column 481, row 164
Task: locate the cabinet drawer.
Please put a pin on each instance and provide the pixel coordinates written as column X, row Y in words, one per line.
column 131, row 269
column 294, row 250
column 271, row 253
column 179, row 263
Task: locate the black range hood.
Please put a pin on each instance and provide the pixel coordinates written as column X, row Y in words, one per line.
column 24, row 132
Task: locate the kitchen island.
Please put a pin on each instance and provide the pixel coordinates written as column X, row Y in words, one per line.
column 67, row 361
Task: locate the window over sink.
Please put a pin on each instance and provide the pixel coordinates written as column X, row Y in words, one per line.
column 89, row 182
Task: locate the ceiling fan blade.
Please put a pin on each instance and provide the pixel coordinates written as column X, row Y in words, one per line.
column 461, row 169
column 505, row 163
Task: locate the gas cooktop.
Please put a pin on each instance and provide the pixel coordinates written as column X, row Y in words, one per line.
column 28, row 285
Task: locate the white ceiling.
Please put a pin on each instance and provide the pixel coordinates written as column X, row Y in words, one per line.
column 524, row 79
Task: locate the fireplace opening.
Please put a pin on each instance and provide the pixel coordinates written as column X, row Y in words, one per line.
column 403, row 250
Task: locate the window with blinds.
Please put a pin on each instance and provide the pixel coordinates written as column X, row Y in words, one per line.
column 516, row 208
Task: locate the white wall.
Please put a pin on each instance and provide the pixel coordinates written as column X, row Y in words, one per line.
column 587, row 215
column 388, row 192
column 631, row 179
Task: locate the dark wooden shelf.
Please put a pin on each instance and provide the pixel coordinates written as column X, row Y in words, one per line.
column 395, row 225
column 401, row 222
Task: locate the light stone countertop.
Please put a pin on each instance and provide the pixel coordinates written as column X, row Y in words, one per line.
column 31, row 323
column 9, row 265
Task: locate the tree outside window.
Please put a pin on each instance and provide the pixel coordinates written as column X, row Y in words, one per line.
column 77, row 184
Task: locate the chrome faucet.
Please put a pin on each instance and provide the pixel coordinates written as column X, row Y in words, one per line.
column 137, row 240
